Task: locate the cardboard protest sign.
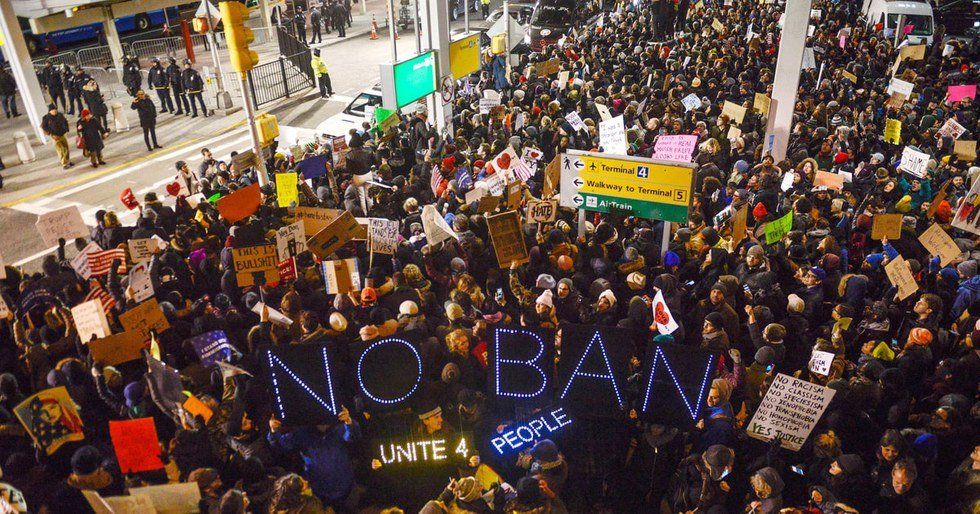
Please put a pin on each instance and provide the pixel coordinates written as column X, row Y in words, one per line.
column 776, row 229
column 820, row 362
column 508, row 239
column 520, row 364
column 486, row 104
column 274, row 315
column 739, row 224
column 718, row 26
column 244, row 160
column 65, row 223
column 174, row 498
column 542, row 211
column 139, row 281
column 914, row 161
column 286, row 191
column 515, row 194
column 809, row 59
column 291, row 240
column 90, row 320
column 51, row 418
column 240, row 204
column 675, row 381
column 549, row 67
column 612, row 136
column 735, row 112
column 849, row 76
column 666, row 324
column 117, row 348
column 339, row 151
column 333, row 236
column 303, row 384
column 435, row 226
column 117, row 504
column 382, row 235
column 316, row 218
column 196, row 407
column 893, row 131
column 938, row 242
column 965, row 150
column 255, row 260
column 896, row 100
column 761, row 104
column 913, row 52
column 136, row 444
column 789, row 411
column 886, row 226
column 552, row 177
column 341, row 276
column 143, row 318
column 487, row 204
column 593, row 368
column 691, row 102
column 678, row 148
column 958, row 93
column 829, row 180
column 212, row 347
column 900, row 276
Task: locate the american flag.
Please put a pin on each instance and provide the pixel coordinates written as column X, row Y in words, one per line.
column 97, row 291
column 101, row 262
column 436, row 180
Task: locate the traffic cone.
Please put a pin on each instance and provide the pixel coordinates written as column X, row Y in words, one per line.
column 374, row 28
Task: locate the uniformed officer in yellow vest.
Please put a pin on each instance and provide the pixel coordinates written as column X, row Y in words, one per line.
column 322, row 77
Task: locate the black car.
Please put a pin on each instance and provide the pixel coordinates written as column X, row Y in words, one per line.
column 551, row 21
column 960, row 17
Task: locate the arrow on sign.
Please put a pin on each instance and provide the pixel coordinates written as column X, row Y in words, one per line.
column 578, row 199
column 578, row 182
column 578, row 164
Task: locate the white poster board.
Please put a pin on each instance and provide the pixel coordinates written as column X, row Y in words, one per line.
column 63, row 223
column 820, row 362
column 914, row 162
column 612, row 136
column 90, row 320
column 382, row 235
column 789, row 411
column 139, row 280
column 290, row 241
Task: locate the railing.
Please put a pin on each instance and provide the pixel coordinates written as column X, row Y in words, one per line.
column 160, row 47
column 280, row 78
column 99, row 56
column 69, row 58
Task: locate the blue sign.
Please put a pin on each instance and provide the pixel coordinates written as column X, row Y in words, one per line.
column 212, row 347
column 302, row 384
column 525, row 433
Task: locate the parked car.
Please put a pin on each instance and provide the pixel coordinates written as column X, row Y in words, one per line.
column 961, row 18
column 359, row 110
column 550, row 21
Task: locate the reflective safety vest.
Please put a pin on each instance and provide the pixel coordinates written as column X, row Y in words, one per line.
column 319, row 68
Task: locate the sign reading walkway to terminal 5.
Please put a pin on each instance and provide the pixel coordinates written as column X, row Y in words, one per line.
column 406, row 81
column 646, row 188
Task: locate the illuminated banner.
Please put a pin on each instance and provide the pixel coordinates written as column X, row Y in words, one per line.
column 388, row 371
column 524, row 434
column 676, row 379
column 593, row 369
column 521, row 364
column 423, row 450
column 303, row 384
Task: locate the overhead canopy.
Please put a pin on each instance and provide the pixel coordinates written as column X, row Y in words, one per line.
column 49, row 15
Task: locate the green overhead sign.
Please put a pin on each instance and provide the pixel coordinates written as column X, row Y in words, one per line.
column 407, row 81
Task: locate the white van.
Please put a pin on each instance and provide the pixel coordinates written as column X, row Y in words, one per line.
column 911, row 12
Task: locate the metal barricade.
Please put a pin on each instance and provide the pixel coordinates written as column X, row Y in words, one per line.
column 108, row 81
column 69, row 58
column 98, row 56
column 281, row 78
column 160, row 47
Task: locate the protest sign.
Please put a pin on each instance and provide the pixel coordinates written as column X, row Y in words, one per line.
column 65, row 223
column 338, row 152
column 761, row 104
column 900, row 86
column 80, row 261
column 965, row 151
column 542, row 211
column 739, row 224
column 286, row 191
column 291, row 240
column 914, row 161
column 809, row 59
column 505, row 164
column 675, row 382
column 90, row 320
column 604, row 113
column 196, row 407
column 302, row 384
column 829, row 180
column 212, row 347
column 612, row 136
column 383, row 235
column 51, row 418
column 531, row 154
column 251, row 261
column 422, row 450
column 435, row 226
column 678, row 148
column 242, row 161
column 507, row 238
column 515, row 194
column 896, row 100
column 143, row 318
column 789, row 411
column 893, row 131
column 525, row 433
column 666, row 324
column 274, row 316
column 520, row 365
column 486, row 104
column 575, row 121
column 139, row 281
column 734, row 112
column 886, row 226
column 718, row 26
column 341, row 276
column 316, row 218
column 968, row 213
column 549, row 67
column 776, row 229
column 136, row 444
column 552, row 177
column 820, row 362
column 100, row 263
column 691, row 102
column 849, row 76
column 958, row 93
column 592, row 370
column 563, row 79
column 938, row 242
column 389, row 371
column 240, row 204
column 900, row 276
column 951, row 129
column 117, row 348
column 913, row 52
column 141, row 250
column 333, row 236
column 487, row 204
column 177, row 498
column 313, row 166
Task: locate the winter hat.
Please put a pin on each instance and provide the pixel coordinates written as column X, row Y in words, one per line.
column 920, row 336
column 795, row 304
column 819, row 273
column 967, row 269
column 86, row 460
column 368, row 296
column 926, row 446
column 663, row 339
column 683, row 234
column 450, row 373
column 133, row 393
column 546, row 452
column 545, row 298
column 453, row 312
column 565, row 263
column 467, row 489
column 883, row 352
column 759, row 212
column 756, row 251
column 765, row 355
column 718, row 457
column 840, row 158
column 774, row 333
column 716, row 320
column 408, row 308
column 671, row 259
column 435, row 411
column 609, row 296
column 636, row 280
column 710, row 236
column 338, row 322
column 458, row 265
column 545, row 281
column 874, row 260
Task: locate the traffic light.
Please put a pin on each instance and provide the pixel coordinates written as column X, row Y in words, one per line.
column 268, row 127
column 237, row 35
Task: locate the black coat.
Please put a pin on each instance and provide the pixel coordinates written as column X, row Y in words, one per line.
column 55, row 124
column 95, row 102
column 76, row 82
column 91, row 131
column 192, row 80
column 147, row 111
column 51, row 79
column 132, row 76
column 7, row 84
column 158, row 78
column 176, row 80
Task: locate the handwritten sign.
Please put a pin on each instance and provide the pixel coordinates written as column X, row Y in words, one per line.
column 761, row 104
column 255, row 259
column 735, row 112
column 508, row 239
column 691, row 102
column 435, row 226
column 80, row 261
column 958, row 93
column 549, row 67
column 789, row 411
column 140, row 283
column 893, row 131
column 913, row 52
column 65, row 223
column 286, row 191
column 886, row 226
column 290, row 240
column 938, row 242
column 90, row 320
column 829, row 180
column 542, row 211
column 604, row 113
column 900, row 86
column 914, row 161
column 575, row 121
column 965, row 150
column 849, row 76
column 316, row 218
column 678, row 148
column 900, row 276
column 143, row 318
column 212, row 347
column 383, row 235
column 951, row 129
column 820, row 362
column 117, row 348
column 136, row 444
column 612, row 136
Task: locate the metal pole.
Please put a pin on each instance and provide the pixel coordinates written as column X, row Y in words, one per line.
column 899, row 28
column 391, row 30
column 363, row 7
column 820, row 75
column 664, row 239
column 466, row 16
column 214, row 46
column 581, row 223
column 506, row 18
column 253, row 130
column 418, row 27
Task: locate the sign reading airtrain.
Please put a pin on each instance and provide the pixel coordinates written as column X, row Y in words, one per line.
column 646, row 188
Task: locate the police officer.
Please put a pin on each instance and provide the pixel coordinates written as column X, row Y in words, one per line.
column 177, row 84
column 51, row 80
column 160, row 82
column 194, row 86
column 299, row 20
column 322, row 75
column 76, row 82
column 315, row 26
column 132, row 78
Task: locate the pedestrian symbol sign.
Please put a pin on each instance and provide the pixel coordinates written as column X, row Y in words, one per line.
column 646, row 188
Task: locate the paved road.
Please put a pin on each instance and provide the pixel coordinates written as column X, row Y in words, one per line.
column 42, row 186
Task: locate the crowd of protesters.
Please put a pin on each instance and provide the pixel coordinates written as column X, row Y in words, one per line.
column 899, row 436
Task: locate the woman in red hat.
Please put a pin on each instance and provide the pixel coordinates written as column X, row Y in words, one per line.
column 90, row 133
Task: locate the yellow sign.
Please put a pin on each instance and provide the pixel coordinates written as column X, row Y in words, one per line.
column 893, row 131
column 286, row 192
column 464, row 56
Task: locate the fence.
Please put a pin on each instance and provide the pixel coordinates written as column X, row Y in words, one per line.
column 280, row 78
column 159, row 47
column 58, row 59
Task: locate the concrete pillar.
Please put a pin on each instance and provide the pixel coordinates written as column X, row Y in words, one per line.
column 15, row 49
column 436, row 19
column 787, row 81
column 115, row 45
column 264, row 12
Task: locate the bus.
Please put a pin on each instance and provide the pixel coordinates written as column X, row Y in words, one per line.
column 38, row 43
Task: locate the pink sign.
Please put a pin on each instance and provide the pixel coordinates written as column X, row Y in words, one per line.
column 957, row 93
column 843, row 40
column 677, row 148
column 908, row 29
